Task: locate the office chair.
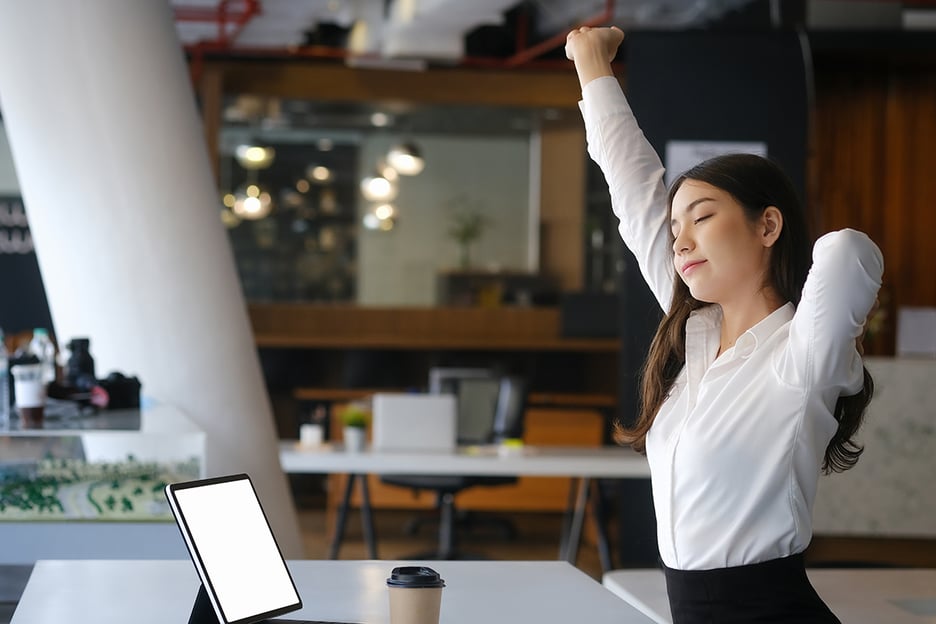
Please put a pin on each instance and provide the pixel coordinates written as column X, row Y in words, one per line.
column 505, row 398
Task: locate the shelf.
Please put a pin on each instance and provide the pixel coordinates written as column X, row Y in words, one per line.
column 303, row 326
column 415, row 343
column 537, row 399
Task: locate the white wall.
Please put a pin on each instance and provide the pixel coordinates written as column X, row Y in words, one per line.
column 8, row 183
column 399, row 267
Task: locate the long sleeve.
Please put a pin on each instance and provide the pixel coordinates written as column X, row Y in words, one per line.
column 635, row 179
column 840, row 290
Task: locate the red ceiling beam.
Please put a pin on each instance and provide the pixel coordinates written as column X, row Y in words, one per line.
column 528, row 54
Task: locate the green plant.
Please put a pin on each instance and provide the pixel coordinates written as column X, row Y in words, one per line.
column 468, row 224
column 353, row 416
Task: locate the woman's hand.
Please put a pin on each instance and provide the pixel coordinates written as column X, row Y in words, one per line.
column 606, row 40
column 592, row 50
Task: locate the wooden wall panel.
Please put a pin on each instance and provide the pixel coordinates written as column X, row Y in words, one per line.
column 562, row 205
column 910, row 186
column 874, row 154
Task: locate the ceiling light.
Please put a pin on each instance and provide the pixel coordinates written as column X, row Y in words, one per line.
column 319, row 173
column 406, row 159
column 302, row 186
column 254, row 156
column 384, row 211
column 377, row 188
column 379, row 119
column 370, row 221
column 229, row 219
column 382, row 217
column 252, row 203
column 325, row 145
column 387, row 171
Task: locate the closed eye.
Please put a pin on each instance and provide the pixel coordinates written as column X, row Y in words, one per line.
column 701, row 219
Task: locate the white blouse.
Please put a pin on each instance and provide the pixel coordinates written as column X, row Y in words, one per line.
column 736, row 449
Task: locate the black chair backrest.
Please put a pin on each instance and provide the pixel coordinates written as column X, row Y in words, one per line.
column 510, row 408
column 476, row 410
column 490, row 407
column 475, row 391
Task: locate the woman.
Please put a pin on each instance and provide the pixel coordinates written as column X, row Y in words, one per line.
column 754, row 383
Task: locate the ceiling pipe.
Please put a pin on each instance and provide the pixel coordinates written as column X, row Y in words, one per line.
column 526, row 55
column 220, row 15
column 224, row 44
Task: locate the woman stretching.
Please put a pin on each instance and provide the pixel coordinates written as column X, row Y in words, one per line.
column 754, row 383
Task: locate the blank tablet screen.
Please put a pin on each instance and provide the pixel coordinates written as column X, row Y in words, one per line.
column 231, row 542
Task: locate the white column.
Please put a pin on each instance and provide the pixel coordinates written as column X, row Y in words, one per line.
column 109, row 152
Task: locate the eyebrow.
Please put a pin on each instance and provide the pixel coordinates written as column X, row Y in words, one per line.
column 691, row 206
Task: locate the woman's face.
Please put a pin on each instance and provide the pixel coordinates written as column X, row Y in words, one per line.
column 719, row 253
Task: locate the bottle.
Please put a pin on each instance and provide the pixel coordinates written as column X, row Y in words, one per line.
column 4, row 385
column 41, row 346
column 79, row 371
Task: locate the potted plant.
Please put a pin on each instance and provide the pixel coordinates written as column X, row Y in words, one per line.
column 467, row 226
column 354, row 419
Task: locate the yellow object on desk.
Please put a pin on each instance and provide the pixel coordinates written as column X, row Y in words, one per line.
column 510, row 446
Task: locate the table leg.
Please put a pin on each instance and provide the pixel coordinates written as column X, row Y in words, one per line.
column 578, row 519
column 604, row 548
column 342, row 518
column 567, row 519
column 367, row 520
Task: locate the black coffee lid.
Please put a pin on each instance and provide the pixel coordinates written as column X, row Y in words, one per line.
column 415, row 576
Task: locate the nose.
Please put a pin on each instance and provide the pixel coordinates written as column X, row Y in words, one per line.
column 682, row 243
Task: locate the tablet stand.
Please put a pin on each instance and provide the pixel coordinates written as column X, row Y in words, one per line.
column 204, row 613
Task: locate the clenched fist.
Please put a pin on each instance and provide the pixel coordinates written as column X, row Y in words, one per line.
column 602, row 40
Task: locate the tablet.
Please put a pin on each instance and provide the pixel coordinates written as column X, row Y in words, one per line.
column 233, row 548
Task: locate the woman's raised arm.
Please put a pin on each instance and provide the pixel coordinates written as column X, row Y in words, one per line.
column 632, row 169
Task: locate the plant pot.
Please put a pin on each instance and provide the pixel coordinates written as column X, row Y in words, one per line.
column 354, row 439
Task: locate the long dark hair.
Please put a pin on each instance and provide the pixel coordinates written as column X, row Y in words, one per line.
column 755, row 183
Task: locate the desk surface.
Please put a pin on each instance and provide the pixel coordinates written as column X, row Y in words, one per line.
column 545, row 461
column 855, row 596
column 158, row 592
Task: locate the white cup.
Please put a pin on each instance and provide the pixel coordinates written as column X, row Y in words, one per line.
column 30, row 393
column 311, row 435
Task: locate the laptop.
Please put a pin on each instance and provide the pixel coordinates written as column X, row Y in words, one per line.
column 244, row 578
column 414, row 422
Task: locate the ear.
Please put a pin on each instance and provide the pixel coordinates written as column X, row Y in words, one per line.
column 771, row 225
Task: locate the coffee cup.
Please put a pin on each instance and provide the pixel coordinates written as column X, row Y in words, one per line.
column 30, row 393
column 415, row 595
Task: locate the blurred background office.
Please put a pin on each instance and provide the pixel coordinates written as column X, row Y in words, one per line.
column 403, row 185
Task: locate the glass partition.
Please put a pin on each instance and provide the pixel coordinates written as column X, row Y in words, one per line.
column 318, row 233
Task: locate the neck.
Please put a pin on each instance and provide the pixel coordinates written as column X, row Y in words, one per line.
column 740, row 316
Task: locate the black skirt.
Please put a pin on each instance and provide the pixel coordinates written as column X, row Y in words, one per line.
column 773, row 591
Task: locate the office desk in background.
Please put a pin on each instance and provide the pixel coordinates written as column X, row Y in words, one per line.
column 891, row 596
column 581, row 464
column 161, row 592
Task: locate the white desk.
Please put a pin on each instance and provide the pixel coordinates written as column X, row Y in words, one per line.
column 855, row 596
column 579, row 463
column 610, row 462
column 161, row 592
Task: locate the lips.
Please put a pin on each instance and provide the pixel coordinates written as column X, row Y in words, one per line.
column 689, row 266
